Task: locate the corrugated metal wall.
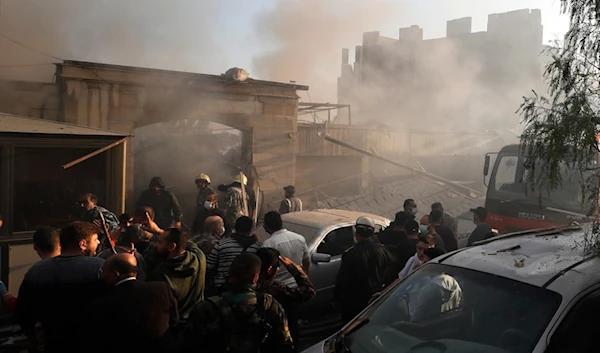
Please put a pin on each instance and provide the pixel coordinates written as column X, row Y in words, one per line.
column 388, row 142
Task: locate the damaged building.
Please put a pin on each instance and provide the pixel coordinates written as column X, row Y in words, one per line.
column 464, row 81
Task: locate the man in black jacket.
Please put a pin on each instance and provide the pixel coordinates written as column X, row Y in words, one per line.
column 366, row 268
column 167, row 212
column 143, row 311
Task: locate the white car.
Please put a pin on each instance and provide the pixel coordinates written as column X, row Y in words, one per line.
column 529, row 292
column 328, row 233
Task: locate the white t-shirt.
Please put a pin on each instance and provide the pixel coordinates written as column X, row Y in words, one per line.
column 291, row 245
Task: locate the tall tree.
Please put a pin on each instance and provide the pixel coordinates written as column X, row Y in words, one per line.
column 561, row 127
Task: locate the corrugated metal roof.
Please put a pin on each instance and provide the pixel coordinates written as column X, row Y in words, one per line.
column 15, row 124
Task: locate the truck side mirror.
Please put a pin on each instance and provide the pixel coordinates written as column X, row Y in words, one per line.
column 319, row 257
column 486, row 165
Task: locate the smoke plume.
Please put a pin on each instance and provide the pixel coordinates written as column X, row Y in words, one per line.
column 307, row 36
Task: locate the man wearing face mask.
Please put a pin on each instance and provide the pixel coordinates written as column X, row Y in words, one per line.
column 410, row 208
column 203, row 204
column 366, row 268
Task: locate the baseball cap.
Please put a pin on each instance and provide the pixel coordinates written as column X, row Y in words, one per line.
column 411, row 227
column 365, row 223
column 481, row 212
column 290, row 188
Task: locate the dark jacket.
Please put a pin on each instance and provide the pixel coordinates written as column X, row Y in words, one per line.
column 112, row 221
column 165, row 205
column 291, row 204
column 450, row 243
column 58, row 293
column 366, row 268
column 398, row 244
column 140, row 314
column 185, row 275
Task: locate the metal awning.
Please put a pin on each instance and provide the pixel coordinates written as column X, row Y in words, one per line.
column 16, row 124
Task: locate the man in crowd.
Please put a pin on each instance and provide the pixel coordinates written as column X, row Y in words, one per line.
column 183, row 266
column 203, row 203
column 482, row 231
column 241, row 319
column 291, row 203
column 289, row 244
column 146, row 311
column 290, row 298
column 125, row 221
column 234, row 205
column 91, row 212
column 435, row 220
column 410, row 208
column 167, row 212
column 366, row 268
column 447, row 220
column 57, row 292
column 225, row 251
column 214, row 229
column 126, row 244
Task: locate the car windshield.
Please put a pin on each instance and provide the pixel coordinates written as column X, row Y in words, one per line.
column 448, row 309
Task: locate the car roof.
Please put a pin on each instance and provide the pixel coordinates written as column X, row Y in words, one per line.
column 546, row 254
column 324, row 218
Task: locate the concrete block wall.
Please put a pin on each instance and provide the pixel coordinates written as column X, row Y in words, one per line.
column 412, row 33
column 459, row 27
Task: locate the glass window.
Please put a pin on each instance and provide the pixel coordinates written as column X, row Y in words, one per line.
column 579, row 332
column 506, row 174
column 337, row 241
column 453, row 309
column 45, row 194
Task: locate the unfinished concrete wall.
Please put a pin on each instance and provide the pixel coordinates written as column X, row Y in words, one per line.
column 33, row 99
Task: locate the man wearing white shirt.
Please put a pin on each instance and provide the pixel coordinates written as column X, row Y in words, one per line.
column 289, row 244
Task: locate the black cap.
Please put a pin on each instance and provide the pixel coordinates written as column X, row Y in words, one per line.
column 289, row 188
column 411, row 227
column 480, row 212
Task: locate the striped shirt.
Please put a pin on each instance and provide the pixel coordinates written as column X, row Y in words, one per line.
column 222, row 255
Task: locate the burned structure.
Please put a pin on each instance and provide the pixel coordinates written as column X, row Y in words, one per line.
column 464, row 81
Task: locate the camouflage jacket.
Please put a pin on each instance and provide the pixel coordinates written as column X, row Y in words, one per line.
column 234, row 204
column 112, row 221
column 240, row 320
column 206, row 242
column 288, row 296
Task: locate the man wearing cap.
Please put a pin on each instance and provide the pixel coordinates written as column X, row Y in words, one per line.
column 203, row 202
column 366, row 268
column 482, row 231
column 291, row 203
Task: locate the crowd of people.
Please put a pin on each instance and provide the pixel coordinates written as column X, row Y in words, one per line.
column 139, row 282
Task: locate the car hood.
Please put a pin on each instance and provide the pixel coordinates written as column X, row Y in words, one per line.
column 317, row 348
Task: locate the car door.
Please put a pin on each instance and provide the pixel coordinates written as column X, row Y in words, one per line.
column 323, row 274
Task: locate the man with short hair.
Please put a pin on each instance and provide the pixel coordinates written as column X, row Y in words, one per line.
column 447, row 220
column 147, row 310
column 214, row 229
column 288, row 243
column 482, row 231
column 241, row 319
column 225, row 251
column 46, row 242
column 91, row 212
column 435, row 221
column 410, row 208
column 57, row 291
column 183, row 266
column 291, row 203
column 366, row 268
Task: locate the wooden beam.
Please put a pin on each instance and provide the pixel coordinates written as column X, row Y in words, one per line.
column 95, row 153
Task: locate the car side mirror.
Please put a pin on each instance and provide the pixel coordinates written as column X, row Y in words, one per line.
column 320, row 257
column 486, row 165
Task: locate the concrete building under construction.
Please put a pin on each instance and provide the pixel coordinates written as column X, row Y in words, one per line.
column 455, row 82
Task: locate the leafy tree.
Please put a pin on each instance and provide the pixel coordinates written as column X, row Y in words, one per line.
column 561, row 127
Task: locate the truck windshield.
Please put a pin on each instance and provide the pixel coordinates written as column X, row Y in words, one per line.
column 509, row 175
column 450, row 309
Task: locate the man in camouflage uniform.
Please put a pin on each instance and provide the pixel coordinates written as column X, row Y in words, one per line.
column 289, row 297
column 241, row 319
column 234, row 202
column 91, row 213
column 203, row 205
